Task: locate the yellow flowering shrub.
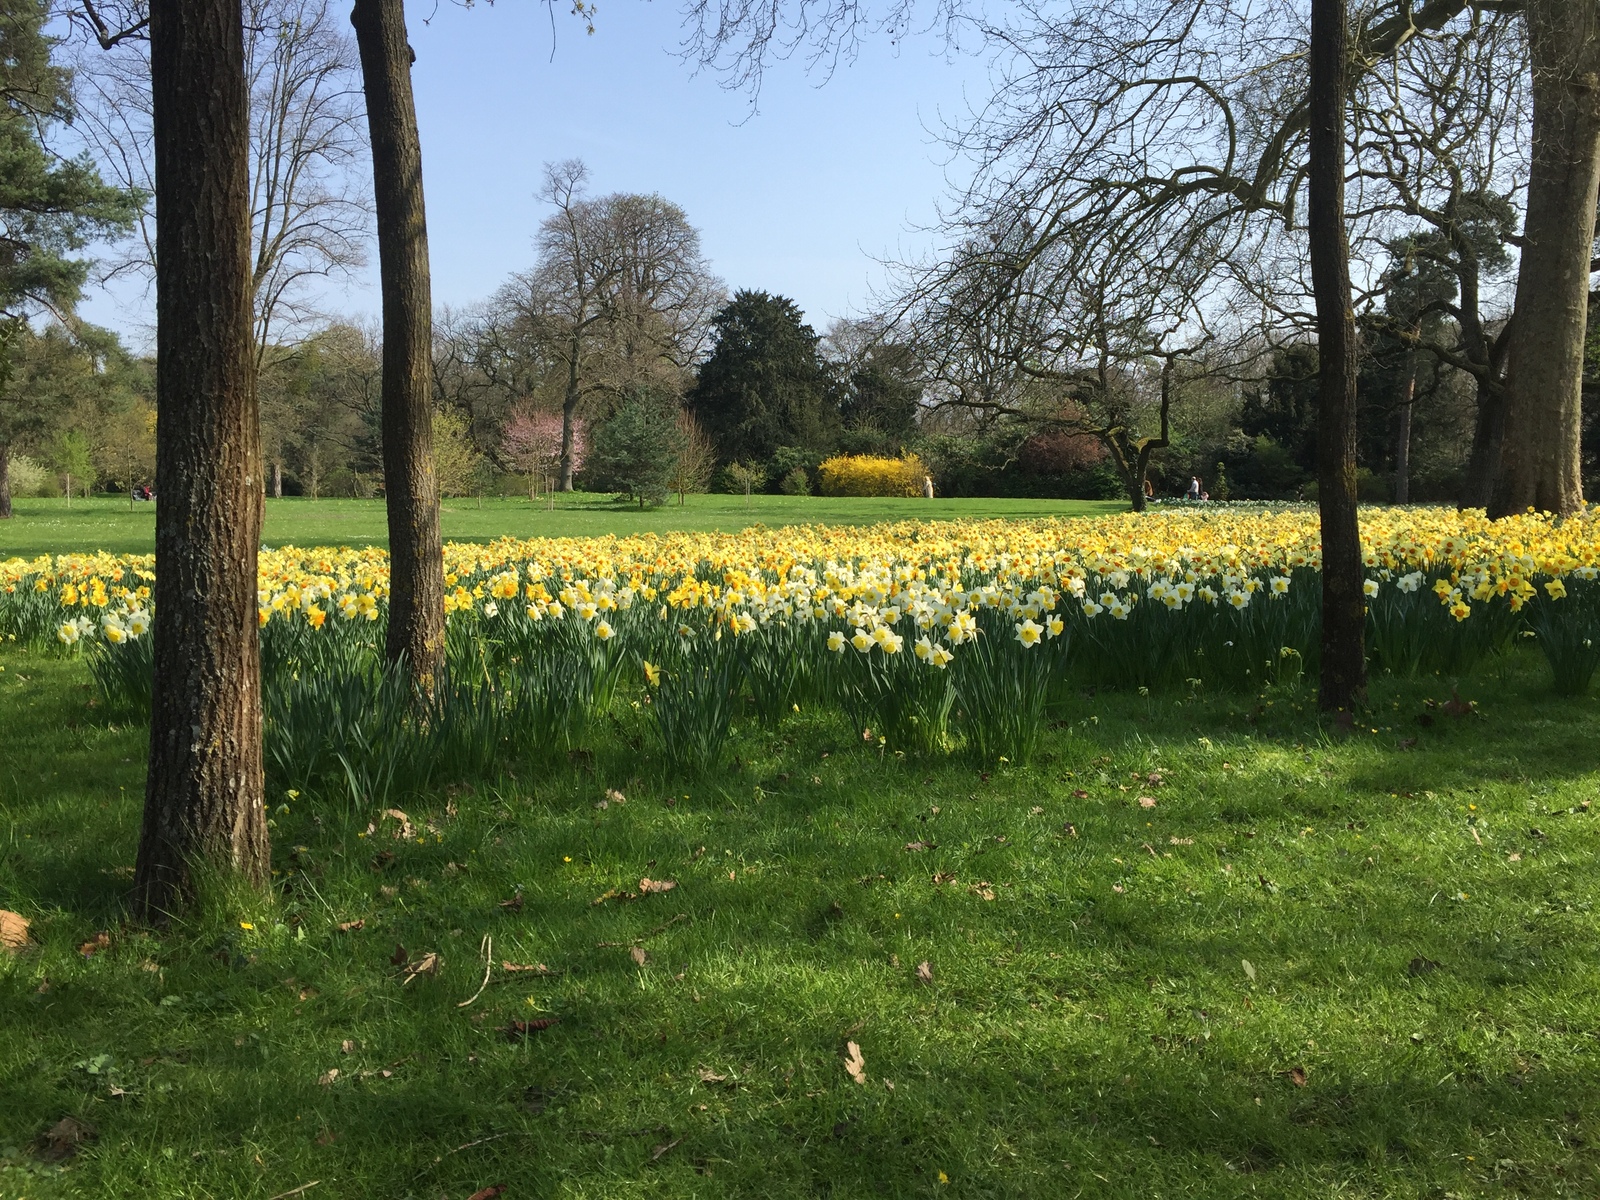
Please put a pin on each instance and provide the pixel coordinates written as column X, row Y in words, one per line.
column 868, row 475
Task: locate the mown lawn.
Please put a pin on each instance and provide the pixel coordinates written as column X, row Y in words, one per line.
column 1315, row 966
column 104, row 523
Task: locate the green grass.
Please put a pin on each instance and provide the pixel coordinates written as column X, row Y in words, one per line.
column 50, row 527
column 1091, row 1030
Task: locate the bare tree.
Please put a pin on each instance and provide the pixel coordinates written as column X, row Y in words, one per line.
column 621, row 297
column 309, row 220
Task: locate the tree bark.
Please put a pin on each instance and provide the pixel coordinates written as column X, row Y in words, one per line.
column 1540, row 462
column 277, row 481
column 5, row 481
column 1402, row 445
column 1344, row 609
column 411, row 485
column 569, row 413
column 203, row 808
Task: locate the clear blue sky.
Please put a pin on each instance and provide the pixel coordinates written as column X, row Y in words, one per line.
column 799, row 197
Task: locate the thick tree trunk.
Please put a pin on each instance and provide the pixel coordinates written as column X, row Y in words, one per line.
column 1402, row 442
column 1488, row 436
column 203, row 804
column 277, row 481
column 1344, row 609
column 1540, row 463
column 411, row 485
column 5, row 481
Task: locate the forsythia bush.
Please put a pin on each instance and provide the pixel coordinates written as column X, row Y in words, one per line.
column 866, row 475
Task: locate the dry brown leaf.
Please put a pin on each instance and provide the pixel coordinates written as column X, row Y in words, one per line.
column 1178, row 841
column 488, row 1193
column 13, row 931
column 663, row 1148
column 535, row 968
column 514, row 904
column 398, row 957
column 1297, row 1076
column 941, row 877
column 352, row 926
column 347, row 1047
column 854, row 1065
column 1079, row 794
column 615, row 796
column 707, row 1075
column 405, row 831
column 654, row 887
column 924, row 972
column 1147, row 801
column 327, row 1077
column 521, row 1029
column 983, row 888
column 638, row 955
column 100, row 941
column 428, row 964
column 918, row 847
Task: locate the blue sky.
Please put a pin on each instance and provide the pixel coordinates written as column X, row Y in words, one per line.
column 799, row 197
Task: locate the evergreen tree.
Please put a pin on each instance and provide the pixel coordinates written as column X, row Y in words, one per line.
column 49, row 207
column 765, row 387
column 637, row 451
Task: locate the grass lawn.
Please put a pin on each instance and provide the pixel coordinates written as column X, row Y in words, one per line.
column 1313, row 967
column 50, row 527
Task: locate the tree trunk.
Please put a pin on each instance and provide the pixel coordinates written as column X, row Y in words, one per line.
column 1344, row 609
column 277, row 481
column 1540, row 462
column 203, row 795
column 411, row 486
column 1402, row 445
column 5, row 481
column 569, row 415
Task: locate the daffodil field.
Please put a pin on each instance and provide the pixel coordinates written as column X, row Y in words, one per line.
column 930, row 638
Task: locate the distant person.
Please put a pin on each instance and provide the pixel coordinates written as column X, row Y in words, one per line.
column 927, row 487
column 1204, row 497
column 1194, row 488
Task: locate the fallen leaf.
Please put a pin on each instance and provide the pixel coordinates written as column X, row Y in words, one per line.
column 638, row 955
column 521, row 1029
column 1079, row 794
column 1297, row 1076
column 1178, row 841
column 387, row 892
column 428, row 964
column 327, row 1077
column 1514, row 856
column 854, row 1065
column 707, row 1075
column 100, row 941
column 663, row 1148
column 982, row 888
column 488, row 1193
column 536, row 968
column 615, row 796
column 1249, row 968
column 352, row 926
column 1035, row 811
column 398, row 957
column 62, row 1139
column 918, row 847
column 13, row 931
column 1147, row 801
column 308, row 993
column 514, row 904
column 654, row 887
column 940, row 877
column 1068, row 828
column 347, row 1047
column 609, row 894
column 924, row 972
column 405, row 831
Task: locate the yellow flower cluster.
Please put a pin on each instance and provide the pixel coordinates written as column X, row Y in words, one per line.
column 870, row 577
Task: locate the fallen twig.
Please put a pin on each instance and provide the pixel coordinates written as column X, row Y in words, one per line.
column 487, row 946
column 304, row 1187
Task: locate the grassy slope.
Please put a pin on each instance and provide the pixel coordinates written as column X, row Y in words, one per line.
column 46, row 526
column 1091, row 1030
